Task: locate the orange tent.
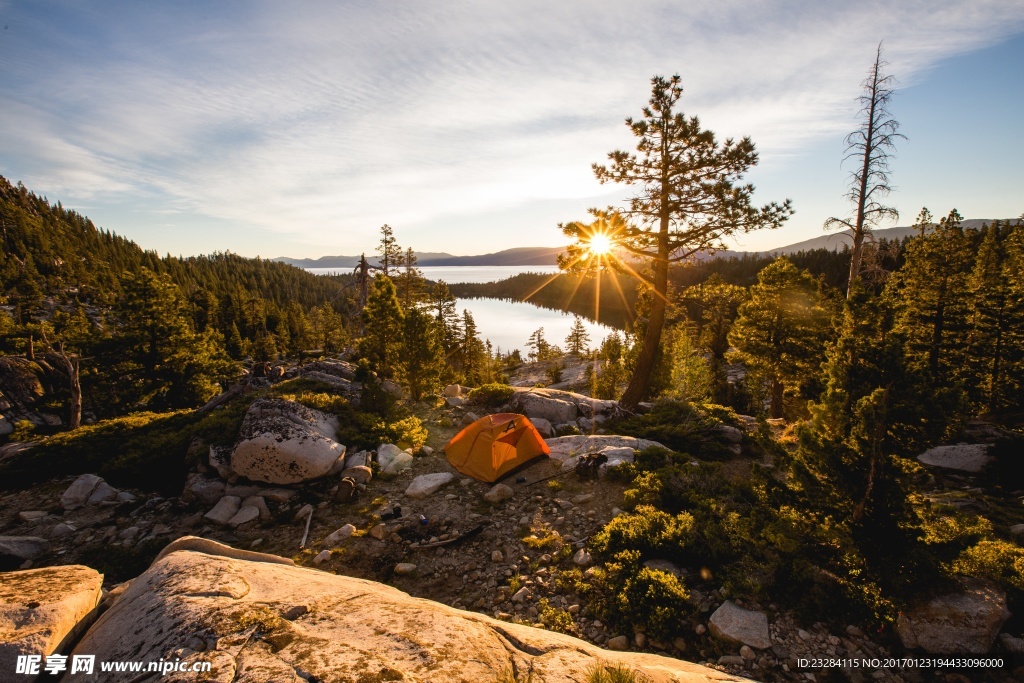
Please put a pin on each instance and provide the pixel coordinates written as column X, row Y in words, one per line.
column 494, row 445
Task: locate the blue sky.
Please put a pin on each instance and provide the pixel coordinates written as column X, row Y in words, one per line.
column 269, row 128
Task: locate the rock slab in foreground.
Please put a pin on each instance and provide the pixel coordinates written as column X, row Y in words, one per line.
column 283, row 442
column 957, row 623
column 733, row 623
column 350, row 629
column 40, row 609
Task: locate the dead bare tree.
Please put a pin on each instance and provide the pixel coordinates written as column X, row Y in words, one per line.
column 872, row 146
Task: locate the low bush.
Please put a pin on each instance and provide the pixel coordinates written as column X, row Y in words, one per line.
column 492, row 396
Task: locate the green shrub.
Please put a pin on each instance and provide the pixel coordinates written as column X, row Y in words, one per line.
column 619, row 673
column 649, row 531
column 630, row 595
column 556, row 619
column 680, row 426
column 492, row 396
column 997, row 561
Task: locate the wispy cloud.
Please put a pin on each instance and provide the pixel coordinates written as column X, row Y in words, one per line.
column 323, row 121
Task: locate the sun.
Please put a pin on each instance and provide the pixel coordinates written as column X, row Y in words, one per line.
column 599, row 244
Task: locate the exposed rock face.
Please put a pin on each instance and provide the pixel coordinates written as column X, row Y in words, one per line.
column 428, row 484
column 618, row 449
column 545, row 406
column 963, row 457
column 282, row 442
column 350, row 628
column 337, row 368
column 40, row 609
column 392, row 460
column 733, row 623
column 543, row 426
column 958, row 623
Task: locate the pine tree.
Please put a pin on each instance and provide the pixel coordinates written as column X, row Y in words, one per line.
column 930, row 294
column 538, row 345
column 422, row 355
column 688, row 200
column 383, row 318
column 410, row 281
column 390, row 253
column 442, row 305
column 472, row 353
column 576, row 342
column 691, row 377
column 997, row 317
column 780, row 330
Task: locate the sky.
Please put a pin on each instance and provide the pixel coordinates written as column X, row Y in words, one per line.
column 298, row 129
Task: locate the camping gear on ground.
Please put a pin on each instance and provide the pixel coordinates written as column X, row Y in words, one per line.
column 494, row 446
column 588, row 465
column 347, row 491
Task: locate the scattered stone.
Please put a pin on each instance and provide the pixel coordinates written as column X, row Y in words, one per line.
column 426, row 451
column 469, row 418
column 428, row 484
column 284, row 442
column 731, row 660
column 392, row 460
column 36, row 515
column 700, row 629
column 276, row 495
column 582, row 557
column 243, row 491
column 44, row 609
column 497, row 556
column 103, row 492
column 225, row 509
column 618, row 643
column 452, row 390
column 735, row 624
column 304, row 512
column 322, row 557
column 960, row 457
column 640, row 639
column 203, row 490
column 521, row 595
column 957, row 623
column 341, row 534
column 1017, row 530
column 77, row 495
column 564, row 504
column 405, row 568
column 582, row 498
column 126, row 497
column 454, row 401
column 380, row 532
column 246, row 514
column 294, row 612
column 498, row 493
column 62, row 529
column 260, row 504
column 747, row 653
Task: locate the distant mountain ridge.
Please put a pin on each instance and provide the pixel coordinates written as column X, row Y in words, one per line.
column 519, row 256
column 548, row 256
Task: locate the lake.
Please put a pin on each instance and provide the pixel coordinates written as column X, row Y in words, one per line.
column 508, row 324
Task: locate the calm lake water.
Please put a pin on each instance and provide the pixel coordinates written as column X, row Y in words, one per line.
column 508, row 324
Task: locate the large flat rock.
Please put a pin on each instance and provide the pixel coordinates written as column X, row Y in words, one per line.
column 283, row 442
column 42, row 609
column 275, row 622
column 965, row 457
column 956, row 623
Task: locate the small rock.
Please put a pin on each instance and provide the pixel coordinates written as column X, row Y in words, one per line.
column 747, row 653
column 260, row 504
column 276, row 495
column 497, row 556
column 102, row 492
column 640, row 639
column 304, row 512
column 36, row 515
column 498, row 493
column 427, row 484
column 582, row 498
column 521, row 595
column 294, row 612
column 582, row 557
column 405, row 568
column 469, row 418
column 78, row 493
column 249, row 513
column 225, row 509
column 564, row 504
column 63, row 529
column 733, row 623
column 339, row 535
column 618, row 643
column 379, row 532
column 700, row 629
column 679, row 644
column 322, row 557
column 125, row 497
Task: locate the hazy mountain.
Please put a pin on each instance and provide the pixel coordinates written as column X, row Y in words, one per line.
column 548, row 256
column 520, row 256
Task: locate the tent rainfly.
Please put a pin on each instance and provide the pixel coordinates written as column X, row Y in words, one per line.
column 494, row 445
